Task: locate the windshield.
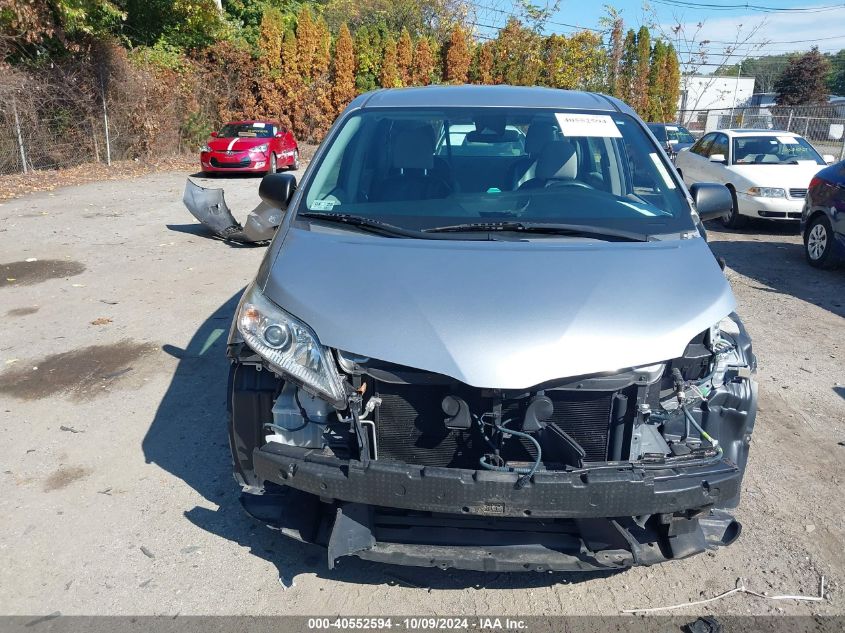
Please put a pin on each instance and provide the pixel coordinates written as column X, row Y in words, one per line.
column 679, row 134
column 409, row 168
column 774, row 150
column 246, row 130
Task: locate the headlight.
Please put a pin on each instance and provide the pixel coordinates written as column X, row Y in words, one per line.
column 289, row 346
column 767, row 192
column 259, row 148
column 205, row 148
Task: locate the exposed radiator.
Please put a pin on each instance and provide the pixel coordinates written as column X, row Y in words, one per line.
column 410, row 428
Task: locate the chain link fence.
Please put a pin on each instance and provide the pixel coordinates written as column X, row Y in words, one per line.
column 822, row 125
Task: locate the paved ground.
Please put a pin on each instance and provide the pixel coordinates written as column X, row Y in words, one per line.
column 117, row 495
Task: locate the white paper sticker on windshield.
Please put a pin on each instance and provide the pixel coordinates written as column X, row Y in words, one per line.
column 788, row 140
column 663, row 173
column 323, row 205
column 639, row 208
column 600, row 125
column 672, row 128
column 257, row 125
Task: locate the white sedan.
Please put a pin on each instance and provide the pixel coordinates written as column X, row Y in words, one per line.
column 768, row 172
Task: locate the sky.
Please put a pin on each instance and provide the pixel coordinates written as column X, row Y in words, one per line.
column 777, row 31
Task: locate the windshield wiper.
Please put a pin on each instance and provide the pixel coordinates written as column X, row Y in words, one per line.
column 548, row 228
column 376, row 226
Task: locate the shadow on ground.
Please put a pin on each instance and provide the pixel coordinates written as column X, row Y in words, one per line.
column 779, row 266
column 188, row 438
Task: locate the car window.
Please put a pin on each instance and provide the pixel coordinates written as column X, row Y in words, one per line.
column 774, row 150
column 719, row 146
column 703, row 145
column 246, row 130
column 593, row 168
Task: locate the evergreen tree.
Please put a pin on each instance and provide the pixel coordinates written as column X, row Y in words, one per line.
column 655, row 107
column 671, row 84
column 627, row 69
column 641, row 73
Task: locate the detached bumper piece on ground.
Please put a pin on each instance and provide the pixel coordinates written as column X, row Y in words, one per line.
column 210, row 208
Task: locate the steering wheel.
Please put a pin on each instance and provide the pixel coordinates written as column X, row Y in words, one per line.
column 554, row 183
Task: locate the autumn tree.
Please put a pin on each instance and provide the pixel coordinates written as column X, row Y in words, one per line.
column 343, row 90
column 404, row 57
column 803, row 80
column 518, row 56
column 368, row 56
column 576, row 62
column 613, row 22
column 423, row 68
column 306, row 42
column 458, row 57
column 318, row 100
column 389, row 77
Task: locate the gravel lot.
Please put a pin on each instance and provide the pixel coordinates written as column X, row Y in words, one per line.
column 118, row 497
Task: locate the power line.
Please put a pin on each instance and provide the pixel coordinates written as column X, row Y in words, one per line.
column 688, row 4
column 513, row 15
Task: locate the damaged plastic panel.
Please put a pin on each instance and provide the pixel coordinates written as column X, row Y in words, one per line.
column 210, row 208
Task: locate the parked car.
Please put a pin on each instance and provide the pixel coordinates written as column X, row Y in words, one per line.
column 823, row 218
column 673, row 137
column 250, row 146
column 767, row 172
column 433, row 367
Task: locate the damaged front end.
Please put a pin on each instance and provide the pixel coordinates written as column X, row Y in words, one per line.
column 209, row 207
column 396, row 464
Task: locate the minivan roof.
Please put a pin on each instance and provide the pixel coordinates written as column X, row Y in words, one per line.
column 471, row 96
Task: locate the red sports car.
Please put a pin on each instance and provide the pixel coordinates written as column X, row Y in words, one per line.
column 250, row 146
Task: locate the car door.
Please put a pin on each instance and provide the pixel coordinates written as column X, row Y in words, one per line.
column 713, row 171
column 692, row 163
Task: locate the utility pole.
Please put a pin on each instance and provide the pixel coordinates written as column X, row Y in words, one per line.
column 106, row 122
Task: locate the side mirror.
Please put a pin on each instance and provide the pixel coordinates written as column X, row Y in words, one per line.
column 829, row 159
column 711, row 200
column 214, row 135
column 277, row 189
column 718, row 158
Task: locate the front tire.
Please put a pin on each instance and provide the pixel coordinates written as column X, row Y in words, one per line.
column 732, row 219
column 271, row 168
column 818, row 243
column 295, row 164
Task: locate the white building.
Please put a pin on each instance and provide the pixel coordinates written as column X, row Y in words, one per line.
column 705, row 92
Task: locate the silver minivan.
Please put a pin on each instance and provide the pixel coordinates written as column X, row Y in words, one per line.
column 493, row 354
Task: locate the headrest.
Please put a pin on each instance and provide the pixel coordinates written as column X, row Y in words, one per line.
column 538, row 135
column 413, row 148
column 508, row 136
column 557, row 160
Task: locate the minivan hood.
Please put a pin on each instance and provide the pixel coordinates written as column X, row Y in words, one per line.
column 505, row 315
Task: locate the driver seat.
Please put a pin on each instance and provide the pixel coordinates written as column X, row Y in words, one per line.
column 558, row 162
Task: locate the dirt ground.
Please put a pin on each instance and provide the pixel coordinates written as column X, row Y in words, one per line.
column 117, row 494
